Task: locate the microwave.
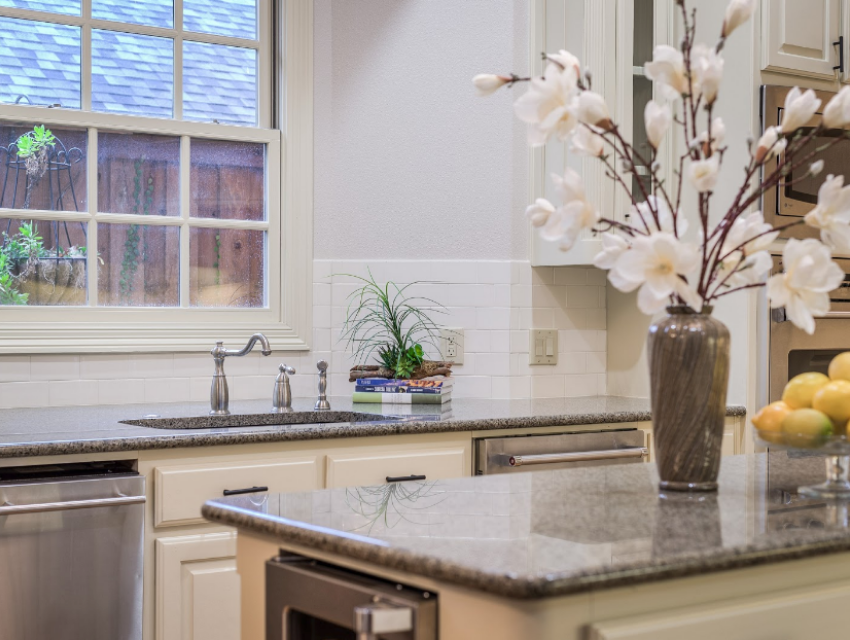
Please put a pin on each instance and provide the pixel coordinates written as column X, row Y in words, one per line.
column 784, row 204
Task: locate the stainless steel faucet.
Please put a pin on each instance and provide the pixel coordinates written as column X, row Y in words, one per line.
column 282, row 396
column 219, row 395
column 322, row 403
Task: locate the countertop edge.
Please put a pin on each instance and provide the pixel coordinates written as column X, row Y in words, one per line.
column 324, row 432
column 358, row 547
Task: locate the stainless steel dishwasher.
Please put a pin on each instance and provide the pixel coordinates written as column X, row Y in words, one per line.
column 535, row 452
column 71, row 552
column 311, row 600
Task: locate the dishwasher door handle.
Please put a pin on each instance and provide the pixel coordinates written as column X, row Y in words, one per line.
column 15, row 509
column 578, row 456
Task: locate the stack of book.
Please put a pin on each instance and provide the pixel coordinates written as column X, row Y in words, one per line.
column 383, row 391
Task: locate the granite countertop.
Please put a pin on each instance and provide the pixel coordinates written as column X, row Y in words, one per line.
column 74, row 430
column 551, row 533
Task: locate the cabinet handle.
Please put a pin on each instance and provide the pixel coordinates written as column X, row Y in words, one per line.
column 840, row 45
column 239, row 492
column 404, row 478
column 578, row 456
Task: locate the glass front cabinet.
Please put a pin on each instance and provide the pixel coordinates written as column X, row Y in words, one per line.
column 614, row 39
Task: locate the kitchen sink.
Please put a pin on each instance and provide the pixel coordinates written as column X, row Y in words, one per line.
column 259, row 420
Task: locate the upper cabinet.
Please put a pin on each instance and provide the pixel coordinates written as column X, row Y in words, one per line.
column 613, row 38
column 801, row 37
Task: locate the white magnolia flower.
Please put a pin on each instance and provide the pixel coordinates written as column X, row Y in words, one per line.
column 770, row 144
column 674, row 225
column 707, row 70
column 567, row 61
column 703, row 173
column 667, row 70
column 657, row 119
column 547, row 105
column 590, row 108
column 540, row 212
column 750, row 234
column 613, row 246
column 739, row 270
column 487, row 83
column 832, row 214
column 574, row 216
column 836, row 115
column 718, row 136
column 657, row 264
column 810, row 274
column 800, row 107
column 586, row 141
column 737, row 13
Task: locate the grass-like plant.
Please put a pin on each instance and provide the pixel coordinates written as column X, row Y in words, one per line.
column 383, row 321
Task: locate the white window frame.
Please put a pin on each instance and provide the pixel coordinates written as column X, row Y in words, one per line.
column 285, row 65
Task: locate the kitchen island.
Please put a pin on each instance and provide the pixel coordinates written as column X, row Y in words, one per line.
column 583, row 553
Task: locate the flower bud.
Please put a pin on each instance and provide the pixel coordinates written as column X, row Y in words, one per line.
column 487, row 83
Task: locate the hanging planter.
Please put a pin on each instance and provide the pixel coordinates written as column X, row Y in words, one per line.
column 53, row 280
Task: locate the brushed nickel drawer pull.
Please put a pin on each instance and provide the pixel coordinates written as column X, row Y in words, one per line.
column 13, row 509
column 578, row 456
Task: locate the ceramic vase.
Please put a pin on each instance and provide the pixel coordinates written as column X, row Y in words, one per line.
column 689, row 373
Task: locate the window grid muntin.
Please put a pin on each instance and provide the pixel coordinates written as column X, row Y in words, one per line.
column 261, row 45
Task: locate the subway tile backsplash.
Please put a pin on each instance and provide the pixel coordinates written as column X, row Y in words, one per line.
column 496, row 303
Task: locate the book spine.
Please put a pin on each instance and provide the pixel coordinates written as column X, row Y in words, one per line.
column 380, row 389
column 397, row 398
column 382, row 382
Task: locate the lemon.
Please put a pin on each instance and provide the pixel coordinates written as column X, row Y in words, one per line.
column 806, row 428
column 833, row 399
column 801, row 389
column 770, row 417
column 839, row 368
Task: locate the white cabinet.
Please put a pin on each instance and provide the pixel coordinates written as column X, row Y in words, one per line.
column 181, row 490
column 363, row 469
column 800, row 36
column 800, row 615
column 197, row 588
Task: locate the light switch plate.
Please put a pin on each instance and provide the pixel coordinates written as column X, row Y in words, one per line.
column 543, row 346
column 451, row 344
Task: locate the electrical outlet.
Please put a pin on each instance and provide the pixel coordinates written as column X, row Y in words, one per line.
column 543, row 346
column 451, row 344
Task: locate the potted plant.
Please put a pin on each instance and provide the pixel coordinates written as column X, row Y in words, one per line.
column 34, row 148
column 38, row 275
column 386, row 324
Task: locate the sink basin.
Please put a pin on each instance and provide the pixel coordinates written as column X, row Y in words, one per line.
column 259, row 420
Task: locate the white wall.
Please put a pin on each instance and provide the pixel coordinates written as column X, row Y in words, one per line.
column 416, row 178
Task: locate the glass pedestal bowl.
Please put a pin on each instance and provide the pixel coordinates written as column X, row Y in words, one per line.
column 836, row 452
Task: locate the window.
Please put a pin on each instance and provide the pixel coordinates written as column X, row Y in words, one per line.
column 140, row 172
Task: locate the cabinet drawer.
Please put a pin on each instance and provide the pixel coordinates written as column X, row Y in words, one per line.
column 180, row 491
column 351, row 470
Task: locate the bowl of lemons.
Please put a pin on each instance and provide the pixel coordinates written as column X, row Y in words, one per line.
column 814, row 415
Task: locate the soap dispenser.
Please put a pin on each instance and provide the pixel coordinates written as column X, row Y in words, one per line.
column 282, row 396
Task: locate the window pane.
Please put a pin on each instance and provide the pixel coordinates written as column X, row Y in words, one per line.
column 237, row 18
column 227, row 268
column 141, row 265
column 39, row 63
column 65, row 7
column 42, row 263
column 132, row 74
column 219, row 83
column 42, row 170
column 138, row 173
column 154, row 13
column 228, row 180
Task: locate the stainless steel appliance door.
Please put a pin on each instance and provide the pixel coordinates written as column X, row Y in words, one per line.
column 71, row 559
column 559, row 451
column 310, row 600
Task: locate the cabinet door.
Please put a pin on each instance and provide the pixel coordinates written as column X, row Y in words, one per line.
column 802, row 615
column 360, row 469
column 197, row 588
column 181, row 490
column 798, row 36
